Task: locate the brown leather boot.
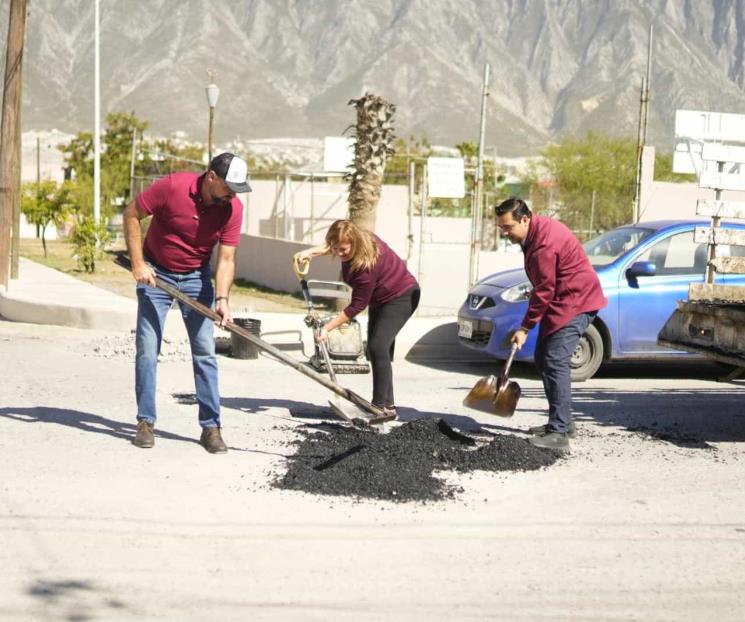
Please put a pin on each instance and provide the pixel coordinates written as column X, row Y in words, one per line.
column 211, row 440
column 144, row 437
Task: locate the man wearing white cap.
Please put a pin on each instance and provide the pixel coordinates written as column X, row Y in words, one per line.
column 191, row 213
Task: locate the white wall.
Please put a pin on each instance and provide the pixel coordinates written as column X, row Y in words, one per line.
column 304, row 212
column 663, row 200
column 29, row 231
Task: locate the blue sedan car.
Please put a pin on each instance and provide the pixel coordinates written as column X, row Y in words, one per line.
column 643, row 269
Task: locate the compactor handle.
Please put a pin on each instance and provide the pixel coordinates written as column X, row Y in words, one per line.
column 300, row 266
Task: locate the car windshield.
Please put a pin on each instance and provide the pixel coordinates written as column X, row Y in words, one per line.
column 606, row 248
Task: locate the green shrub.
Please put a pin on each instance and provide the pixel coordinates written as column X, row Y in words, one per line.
column 89, row 240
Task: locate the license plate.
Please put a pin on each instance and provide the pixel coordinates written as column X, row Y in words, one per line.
column 465, row 329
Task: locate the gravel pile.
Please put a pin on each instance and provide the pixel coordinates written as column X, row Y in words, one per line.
column 400, row 466
column 123, row 346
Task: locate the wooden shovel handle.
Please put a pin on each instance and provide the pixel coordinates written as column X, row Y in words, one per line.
column 508, row 364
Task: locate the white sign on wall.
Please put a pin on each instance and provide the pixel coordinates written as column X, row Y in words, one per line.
column 338, row 154
column 445, row 177
column 695, row 127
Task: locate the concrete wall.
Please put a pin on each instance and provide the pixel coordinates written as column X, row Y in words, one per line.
column 302, row 210
column 662, row 200
column 443, row 275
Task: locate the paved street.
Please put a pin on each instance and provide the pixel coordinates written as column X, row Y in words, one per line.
column 645, row 520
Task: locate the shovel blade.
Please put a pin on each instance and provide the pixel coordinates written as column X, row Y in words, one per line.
column 494, row 396
column 505, row 401
column 481, row 396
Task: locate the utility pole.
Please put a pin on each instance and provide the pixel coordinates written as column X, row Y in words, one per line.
column 213, row 93
column 10, row 165
column 642, row 132
column 97, row 121
column 592, row 214
column 132, row 165
column 476, row 216
column 38, row 178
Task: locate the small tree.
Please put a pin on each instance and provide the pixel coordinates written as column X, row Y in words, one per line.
column 44, row 204
column 576, row 168
column 89, row 239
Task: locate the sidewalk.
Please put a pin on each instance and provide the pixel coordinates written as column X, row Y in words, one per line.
column 43, row 295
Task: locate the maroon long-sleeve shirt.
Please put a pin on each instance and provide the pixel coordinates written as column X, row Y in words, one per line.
column 564, row 282
column 386, row 280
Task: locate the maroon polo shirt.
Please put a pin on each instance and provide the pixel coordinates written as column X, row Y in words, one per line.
column 564, row 282
column 184, row 230
column 386, row 280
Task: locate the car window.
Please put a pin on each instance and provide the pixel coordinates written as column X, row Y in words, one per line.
column 609, row 246
column 678, row 254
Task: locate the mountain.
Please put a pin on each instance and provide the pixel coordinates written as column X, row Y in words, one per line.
column 286, row 68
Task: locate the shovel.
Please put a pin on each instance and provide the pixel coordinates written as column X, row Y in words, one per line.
column 362, row 408
column 495, row 395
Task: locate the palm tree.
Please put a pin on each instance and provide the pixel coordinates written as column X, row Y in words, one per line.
column 374, row 134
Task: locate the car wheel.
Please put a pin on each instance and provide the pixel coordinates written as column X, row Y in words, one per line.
column 588, row 355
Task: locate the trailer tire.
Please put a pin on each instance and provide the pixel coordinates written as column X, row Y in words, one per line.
column 588, row 356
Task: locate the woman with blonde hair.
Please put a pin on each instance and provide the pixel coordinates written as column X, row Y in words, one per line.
column 379, row 280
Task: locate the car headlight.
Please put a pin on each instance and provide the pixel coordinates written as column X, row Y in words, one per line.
column 517, row 293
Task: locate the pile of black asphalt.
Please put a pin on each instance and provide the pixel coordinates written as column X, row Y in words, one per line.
column 400, row 465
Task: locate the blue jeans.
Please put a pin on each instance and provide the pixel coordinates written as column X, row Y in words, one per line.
column 553, row 357
column 152, row 308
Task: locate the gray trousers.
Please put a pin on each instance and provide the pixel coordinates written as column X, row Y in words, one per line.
column 553, row 356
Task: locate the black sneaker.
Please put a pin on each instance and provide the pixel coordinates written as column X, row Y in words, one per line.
column 144, row 437
column 542, row 430
column 551, row 440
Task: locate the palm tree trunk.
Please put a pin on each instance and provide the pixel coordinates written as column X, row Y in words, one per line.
column 374, row 134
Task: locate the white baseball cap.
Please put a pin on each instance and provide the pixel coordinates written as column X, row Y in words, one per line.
column 233, row 170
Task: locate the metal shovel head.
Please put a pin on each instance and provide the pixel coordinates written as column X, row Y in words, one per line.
column 505, row 400
column 481, row 396
column 352, row 414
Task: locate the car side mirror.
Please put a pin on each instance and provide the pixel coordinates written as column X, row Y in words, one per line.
column 641, row 268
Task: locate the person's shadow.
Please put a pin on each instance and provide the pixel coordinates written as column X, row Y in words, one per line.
column 306, row 410
column 96, row 424
column 268, row 406
column 87, row 422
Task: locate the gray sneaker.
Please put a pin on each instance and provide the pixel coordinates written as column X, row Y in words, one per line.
column 144, row 437
column 552, row 440
column 542, row 430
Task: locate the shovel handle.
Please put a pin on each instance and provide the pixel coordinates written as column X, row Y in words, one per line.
column 508, row 364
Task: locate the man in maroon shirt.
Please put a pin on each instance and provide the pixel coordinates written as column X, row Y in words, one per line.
column 191, row 213
column 565, row 299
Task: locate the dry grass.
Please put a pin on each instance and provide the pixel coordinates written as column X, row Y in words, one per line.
column 110, row 276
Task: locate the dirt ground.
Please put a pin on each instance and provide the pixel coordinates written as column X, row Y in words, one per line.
column 644, row 521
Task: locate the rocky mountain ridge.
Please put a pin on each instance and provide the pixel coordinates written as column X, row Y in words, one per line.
column 288, row 67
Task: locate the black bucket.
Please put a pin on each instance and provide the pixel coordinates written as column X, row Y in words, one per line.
column 241, row 348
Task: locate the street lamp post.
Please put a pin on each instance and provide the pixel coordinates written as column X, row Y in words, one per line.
column 213, row 93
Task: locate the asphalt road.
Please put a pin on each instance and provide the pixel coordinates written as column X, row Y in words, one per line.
column 644, row 521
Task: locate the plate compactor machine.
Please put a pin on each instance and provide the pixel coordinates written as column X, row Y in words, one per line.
column 344, row 350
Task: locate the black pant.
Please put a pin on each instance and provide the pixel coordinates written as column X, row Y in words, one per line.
column 384, row 323
column 553, row 358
